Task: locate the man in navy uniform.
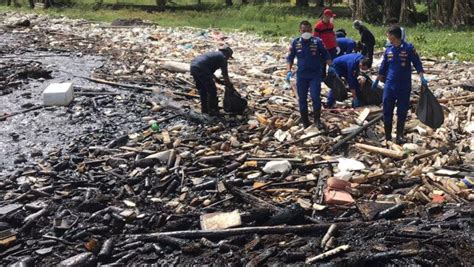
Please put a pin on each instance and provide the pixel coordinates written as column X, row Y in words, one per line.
column 395, row 70
column 346, row 45
column 202, row 70
column 310, row 52
column 349, row 66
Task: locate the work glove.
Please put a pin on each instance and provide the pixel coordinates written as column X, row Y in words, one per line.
column 338, row 50
column 331, row 70
column 288, row 76
column 355, row 103
column 375, row 85
column 423, row 81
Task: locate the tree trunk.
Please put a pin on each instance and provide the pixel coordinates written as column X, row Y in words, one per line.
column 461, row 11
column 320, row 3
column 31, row 3
column 48, row 4
column 161, row 4
column 245, row 2
column 367, row 10
column 302, row 3
column 228, row 2
column 353, row 7
column 391, row 9
column 444, row 9
column 407, row 12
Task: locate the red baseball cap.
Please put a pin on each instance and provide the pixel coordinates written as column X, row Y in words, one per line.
column 328, row 12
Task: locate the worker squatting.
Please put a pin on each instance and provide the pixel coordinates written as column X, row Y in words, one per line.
column 324, row 49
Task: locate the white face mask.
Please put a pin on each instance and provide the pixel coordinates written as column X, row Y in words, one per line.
column 306, row 35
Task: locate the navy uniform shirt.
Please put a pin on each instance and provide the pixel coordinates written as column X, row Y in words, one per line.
column 396, row 66
column 309, row 54
column 347, row 66
column 346, row 45
column 208, row 63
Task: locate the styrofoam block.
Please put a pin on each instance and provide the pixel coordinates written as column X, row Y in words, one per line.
column 58, row 94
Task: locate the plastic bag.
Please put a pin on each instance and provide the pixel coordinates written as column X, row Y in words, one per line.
column 369, row 96
column 429, row 111
column 233, row 101
column 339, row 90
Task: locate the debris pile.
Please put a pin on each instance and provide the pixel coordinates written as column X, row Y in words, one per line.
column 160, row 183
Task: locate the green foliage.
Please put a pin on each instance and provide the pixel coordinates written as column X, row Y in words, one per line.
column 278, row 20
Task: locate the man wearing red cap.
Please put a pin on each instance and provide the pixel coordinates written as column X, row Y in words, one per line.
column 324, row 29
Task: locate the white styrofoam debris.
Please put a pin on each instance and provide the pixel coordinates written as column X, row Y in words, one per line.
column 350, row 165
column 58, row 94
column 281, row 166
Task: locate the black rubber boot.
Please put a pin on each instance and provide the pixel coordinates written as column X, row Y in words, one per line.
column 304, row 118
column 204, row 108
column 212, row 103
column 388, row 131
column 400, row 132
column 317, row 120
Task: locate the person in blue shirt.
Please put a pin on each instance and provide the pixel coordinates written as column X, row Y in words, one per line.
column 202, row 70
column 310, row 52
column 341, row 33
column 346, row 45
column 395, row 70
column 348, row 66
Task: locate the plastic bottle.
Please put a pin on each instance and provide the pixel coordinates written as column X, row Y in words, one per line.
column 466, row 183
column 155, row 127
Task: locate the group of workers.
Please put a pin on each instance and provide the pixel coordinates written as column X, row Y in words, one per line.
column 325, row 49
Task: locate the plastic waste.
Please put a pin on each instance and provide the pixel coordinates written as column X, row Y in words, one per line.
column 339, row 90
column 155, row 127
column 466, row 183
column 429, row 111
column 350, row 165
column 281, row 166
column 233, row 101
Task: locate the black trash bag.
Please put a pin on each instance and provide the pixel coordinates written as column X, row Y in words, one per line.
column 429, row 111
column 368, row 96
column 339, row 90
column 233, row 101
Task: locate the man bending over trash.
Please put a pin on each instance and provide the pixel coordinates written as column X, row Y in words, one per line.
column 349, row 66
column 396, row 71
column 310, row 52
column 202, row 70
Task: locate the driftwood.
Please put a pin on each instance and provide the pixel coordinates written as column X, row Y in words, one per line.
column 355, row 133
column 249, row 198
column 327, row 254
column 280, row 229
column 425, row 155
column 4, row 117
column 232, row 197
column 382, row 151
column 302, row 139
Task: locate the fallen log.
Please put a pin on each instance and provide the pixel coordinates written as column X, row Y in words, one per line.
column 280, row 229
column 355, row 133
column 382, row 151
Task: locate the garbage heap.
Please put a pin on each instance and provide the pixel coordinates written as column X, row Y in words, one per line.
column 247, row 190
